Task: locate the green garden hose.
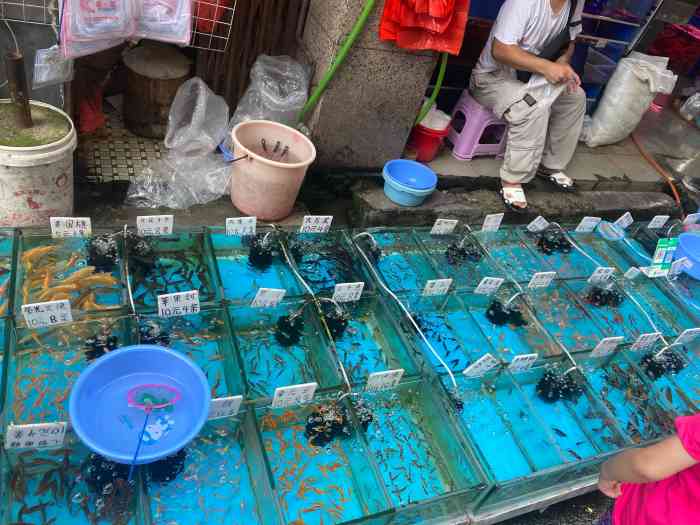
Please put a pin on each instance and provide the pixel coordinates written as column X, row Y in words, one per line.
column 339, row 59
column 436, row 90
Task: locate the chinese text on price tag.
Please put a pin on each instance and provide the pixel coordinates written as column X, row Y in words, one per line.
column 289, row 396
column 538, row 225
column 688, row 336
column 607, row 346
column 601, row 275
column 150, row 225
column 645, row 341
column 679, row 265
column 483, row 365
column 492, row 223
column 692, row 218
column 268, row 297
column 70, row 227
column 489, row 286
column 658, row 222
column 41, row 435
column 241, row 226
column 316, row 223
column 522, row 363
column 225, row 407
column 437, row 287
column 50, row 313
column 384, row 380
column 348, row 292
column 625, row 221
column 542, row 280
column 178, row 304
column 588, row 224
column 444, row 227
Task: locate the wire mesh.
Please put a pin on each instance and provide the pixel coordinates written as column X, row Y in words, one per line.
column 41, row 12
column 212, row 21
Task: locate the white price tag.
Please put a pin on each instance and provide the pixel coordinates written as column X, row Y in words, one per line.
column 40, row 435
column 522, row 363
column 348, row 292
column 542, row 280
column 489, row 286
column 653, row 272
column 588, row 224
column 437, row 287
column 601, row 275
column 240, row 226
column 50, row 313
column 625, row 221
column 645, row 341
column 178, row 304
column 633, row 273
column 70, row 227
column 289, row 396
column 538, row 225
column 268, row 297
column 316, row 223
column 658, row 222
column 607, row 346
column 492, row 223
column 681, row 264
column 688, row 336
column 444, row 227
column 483, row 365
column 150, row 225
column 384, row 380
column 691, row 218
column 225, row 407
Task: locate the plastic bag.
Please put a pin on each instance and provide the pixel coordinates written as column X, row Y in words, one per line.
column 627, row 97
column 198, row 119
column 51, row 68
column 179, row 182
column 164, row 20
column 279, row 88
column 690, row 110
column 97, row 20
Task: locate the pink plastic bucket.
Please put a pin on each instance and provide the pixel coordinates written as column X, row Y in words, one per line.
column 266, row 183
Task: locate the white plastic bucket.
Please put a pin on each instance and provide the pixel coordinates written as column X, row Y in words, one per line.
column 263, row 187
column 37, row 183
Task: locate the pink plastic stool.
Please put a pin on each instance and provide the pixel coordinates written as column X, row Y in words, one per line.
column 475, row 130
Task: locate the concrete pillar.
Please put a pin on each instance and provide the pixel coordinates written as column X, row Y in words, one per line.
column 365, row 116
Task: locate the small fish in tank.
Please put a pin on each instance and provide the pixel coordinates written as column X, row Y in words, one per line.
column 598, row 296
column 553, row 387
column 99, row 345
column 553, row 240
column 658, row 364
column 152, row 333
column 327, row 423
column 168, row 469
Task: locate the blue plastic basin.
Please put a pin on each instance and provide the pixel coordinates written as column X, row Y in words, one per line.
column 408, row 183
column 689, row 246
column 102, row 418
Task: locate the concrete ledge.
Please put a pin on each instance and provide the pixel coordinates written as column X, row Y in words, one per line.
column 372, row 208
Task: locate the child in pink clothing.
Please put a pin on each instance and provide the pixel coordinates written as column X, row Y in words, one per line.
column 656, row 485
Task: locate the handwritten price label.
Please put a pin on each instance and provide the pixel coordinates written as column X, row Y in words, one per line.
column 538, row 225
column 607, row 346
column 152, row 225
column 348, row 292
column 289, row 396
column 541, row 280
column 588, row 224
column 41, row 435
column 483, row 365
column 316, row 224
column 437, row 287
column 384, row 380
column 601, row 275
column 50, row 313
column 70, row 227
column 489, row 286
column 222, row 407
column 444, row 227
column 492, row 223
column 692, row 218
column 681, row 264
column 241, row 226
column 644, row 341
column 522, row 363
column 658, row 222
column 625, row 221
column 268, row 297
column 178, row 304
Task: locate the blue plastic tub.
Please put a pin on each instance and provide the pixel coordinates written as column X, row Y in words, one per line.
column 689, row 246
column 408, row 183
column 102, row 418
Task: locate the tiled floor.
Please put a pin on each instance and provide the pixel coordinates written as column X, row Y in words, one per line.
column 114, row 153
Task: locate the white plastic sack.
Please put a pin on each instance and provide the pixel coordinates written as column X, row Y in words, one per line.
column 628, row 95
column 179, row 182
column 690, row 110
column 164, row 20
column 51, row 68
column 198, row 119
column 279, row 88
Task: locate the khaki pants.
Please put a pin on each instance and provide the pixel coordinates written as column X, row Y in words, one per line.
column 546, row 133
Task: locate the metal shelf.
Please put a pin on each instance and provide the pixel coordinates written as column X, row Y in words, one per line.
column 610, row 19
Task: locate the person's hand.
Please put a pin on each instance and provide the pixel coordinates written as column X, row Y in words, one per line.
column 557, row 73
column 612, row 489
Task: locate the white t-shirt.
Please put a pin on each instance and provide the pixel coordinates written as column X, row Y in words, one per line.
column 530, row 24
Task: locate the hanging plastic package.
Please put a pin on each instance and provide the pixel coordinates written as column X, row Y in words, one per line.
column 51, row 68
column 164, row 20
column 628, row 95
column 198, row 119
column 90, row 20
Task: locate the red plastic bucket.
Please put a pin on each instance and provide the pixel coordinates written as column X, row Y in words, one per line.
column 427, row 142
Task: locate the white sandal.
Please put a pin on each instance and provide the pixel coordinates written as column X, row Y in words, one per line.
column 560, row 179
column 512, row 196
